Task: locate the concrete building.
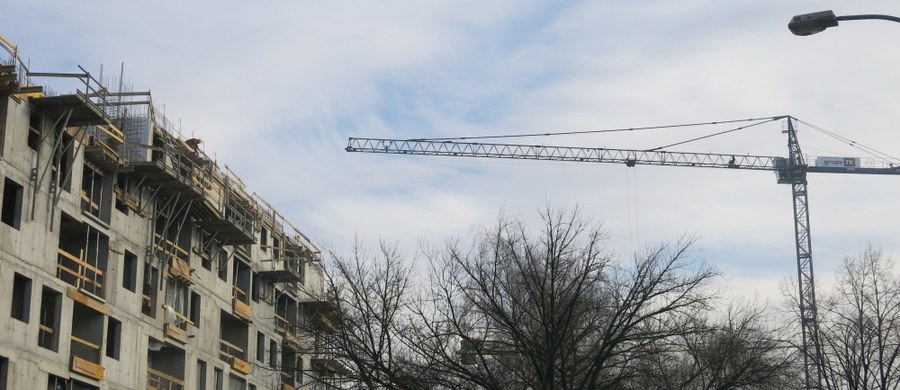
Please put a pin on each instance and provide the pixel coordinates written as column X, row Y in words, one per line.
column 131, row 260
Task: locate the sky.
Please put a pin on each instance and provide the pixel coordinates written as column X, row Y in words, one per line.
column 275, row 89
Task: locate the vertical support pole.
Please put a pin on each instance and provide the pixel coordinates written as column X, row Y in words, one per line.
column 812, row 351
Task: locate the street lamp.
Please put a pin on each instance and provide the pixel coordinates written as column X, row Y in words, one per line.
column 809, row 24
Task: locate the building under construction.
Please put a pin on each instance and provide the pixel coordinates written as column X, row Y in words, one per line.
column 131, row 260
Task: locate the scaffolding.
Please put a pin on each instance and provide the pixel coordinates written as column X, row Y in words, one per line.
column 291, row 250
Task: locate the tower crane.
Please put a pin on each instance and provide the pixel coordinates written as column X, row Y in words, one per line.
column 790, row 170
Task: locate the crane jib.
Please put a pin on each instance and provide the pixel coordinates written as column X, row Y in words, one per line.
column 629, row 157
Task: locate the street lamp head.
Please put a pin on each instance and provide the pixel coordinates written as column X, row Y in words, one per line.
column 809, row 24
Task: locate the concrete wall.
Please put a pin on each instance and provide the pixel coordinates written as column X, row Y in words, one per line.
column 31, row 251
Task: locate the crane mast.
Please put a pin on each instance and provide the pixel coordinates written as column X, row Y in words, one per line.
column 789, row 170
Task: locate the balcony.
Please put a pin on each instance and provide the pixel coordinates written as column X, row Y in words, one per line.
column 227, row 209
column 282, row 270
column 172, row 171
column 101, row 145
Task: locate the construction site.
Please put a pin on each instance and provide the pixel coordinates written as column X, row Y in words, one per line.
column 130, row 259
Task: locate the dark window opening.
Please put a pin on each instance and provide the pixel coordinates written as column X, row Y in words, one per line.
column 121, row 193
column 236, row 383
column 273, row 354
column 255, row 287
column 21, row 300
column 241, row 281
column 82, row 256
column 223, row 266
column 4, row 372
column 113, row 338
column 11, row 213
column 218, row 379
column 96, row 193
column 129, row 271
column 288, row 366
column 264, row 239
column 195, row 309
column 201, row 375
column 86, row 340
column 48, row 333
column 260, row 347
column 149, row 291
column 165, row 366
column 34, row 130
column 286, row 314
column 233, row 338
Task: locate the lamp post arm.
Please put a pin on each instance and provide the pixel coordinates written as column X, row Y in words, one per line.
column 869, row 16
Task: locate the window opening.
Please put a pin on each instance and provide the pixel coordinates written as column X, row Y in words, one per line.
column 34, row 130
column 177, row 294
column 255, row 287
column 48, row 332
column 149, row 291
column 21, row 299
column 4, row 372
column 195, row 309
column 82, row 256
column 233, row 334
column 86, row 341
column 11, row 213
column 260, row 346
column 218, row 379
column 113, row 337
column 201, row 375
column 129, row 271
column 165, row 366
column 273, row 354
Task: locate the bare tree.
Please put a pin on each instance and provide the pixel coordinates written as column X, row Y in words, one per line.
column 860, row 324
column 370, row 293
column 740, row 351
column 548, row 310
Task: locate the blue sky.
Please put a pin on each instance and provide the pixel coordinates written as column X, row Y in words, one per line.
column 275, row 89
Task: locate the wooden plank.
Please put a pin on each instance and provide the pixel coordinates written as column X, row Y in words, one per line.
column 242, row 309
column 85, row 343
column 87, row 368
column 87, row 300
column 240, row 365
column 175, row 333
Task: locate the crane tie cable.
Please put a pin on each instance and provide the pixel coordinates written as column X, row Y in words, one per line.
column 524, row 135
column 871, row 151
